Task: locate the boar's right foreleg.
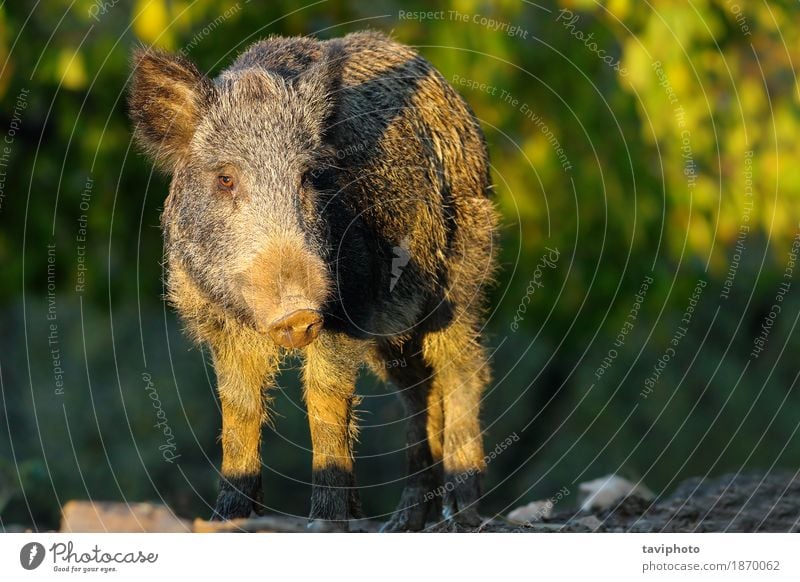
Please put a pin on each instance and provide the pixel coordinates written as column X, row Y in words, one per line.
column 244, row 366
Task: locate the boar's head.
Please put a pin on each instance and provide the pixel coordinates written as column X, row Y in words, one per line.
column 243, row 217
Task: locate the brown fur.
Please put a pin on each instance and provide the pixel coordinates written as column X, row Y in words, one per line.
column 343, row 152
column 166, row 102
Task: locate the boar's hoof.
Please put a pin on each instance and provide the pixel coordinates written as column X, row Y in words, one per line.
column 408, row 519
column 232, row 504
column 465, row 520
column 296, row 330
column 411, row 512
column 239, row 496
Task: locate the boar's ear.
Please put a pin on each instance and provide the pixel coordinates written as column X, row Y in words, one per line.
column 321, row 82
column 166, row 100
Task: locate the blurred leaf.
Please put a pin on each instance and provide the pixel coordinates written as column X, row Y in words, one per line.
column 71, row 70
column 151, row 23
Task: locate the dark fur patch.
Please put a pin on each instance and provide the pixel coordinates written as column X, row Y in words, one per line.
column 462, row 493
column 334, row 497
column 238, row 497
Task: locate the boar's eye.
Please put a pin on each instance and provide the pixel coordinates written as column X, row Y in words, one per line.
column 225, row 182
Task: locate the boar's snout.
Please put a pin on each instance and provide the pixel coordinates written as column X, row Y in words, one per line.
column 285, row 288
column 296, row 330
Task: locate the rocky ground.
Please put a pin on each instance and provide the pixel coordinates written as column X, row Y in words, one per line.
column 731, row 503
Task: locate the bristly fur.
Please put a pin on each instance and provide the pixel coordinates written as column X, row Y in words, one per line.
column 362, row 193
column 166, row 100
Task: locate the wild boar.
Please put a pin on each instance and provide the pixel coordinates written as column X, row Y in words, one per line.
column 332, row 199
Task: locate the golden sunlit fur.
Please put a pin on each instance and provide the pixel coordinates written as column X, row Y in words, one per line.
column 360, row 220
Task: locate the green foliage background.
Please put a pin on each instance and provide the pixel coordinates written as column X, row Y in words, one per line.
column 648, row 193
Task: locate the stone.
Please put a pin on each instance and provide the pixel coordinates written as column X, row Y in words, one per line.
column 601, row 494
column 113, row 516
column 532, row 512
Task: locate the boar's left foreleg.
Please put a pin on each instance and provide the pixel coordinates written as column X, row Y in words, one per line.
column 421, row 497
